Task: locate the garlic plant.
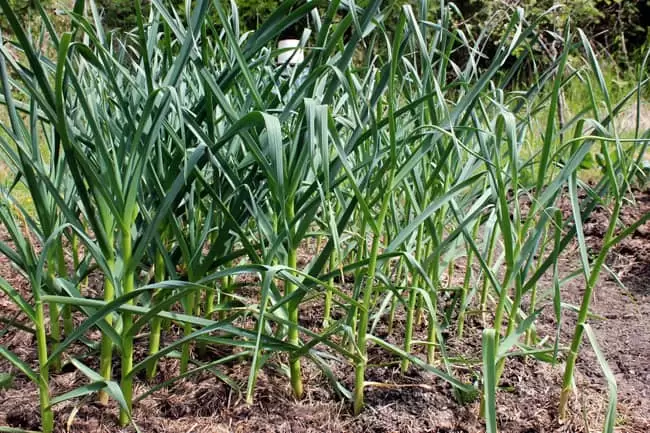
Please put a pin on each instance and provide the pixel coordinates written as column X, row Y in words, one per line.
column 183, row 156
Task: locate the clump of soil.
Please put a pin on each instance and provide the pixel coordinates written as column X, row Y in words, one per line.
column 415, row 402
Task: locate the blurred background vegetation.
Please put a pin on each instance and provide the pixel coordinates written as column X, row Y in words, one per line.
column 618, row 28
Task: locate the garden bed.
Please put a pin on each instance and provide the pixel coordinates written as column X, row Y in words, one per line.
column 415, row 402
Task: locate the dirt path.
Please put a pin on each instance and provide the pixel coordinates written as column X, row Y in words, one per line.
column 622, row 330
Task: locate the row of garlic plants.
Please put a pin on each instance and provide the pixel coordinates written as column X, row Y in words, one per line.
column 179, row 157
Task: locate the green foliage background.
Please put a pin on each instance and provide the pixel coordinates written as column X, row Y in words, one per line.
column 119, row 13
column 619, row 27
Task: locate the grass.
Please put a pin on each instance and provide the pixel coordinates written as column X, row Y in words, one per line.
column 181, row 160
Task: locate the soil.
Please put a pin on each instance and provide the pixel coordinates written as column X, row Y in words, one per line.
column 414, row 402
